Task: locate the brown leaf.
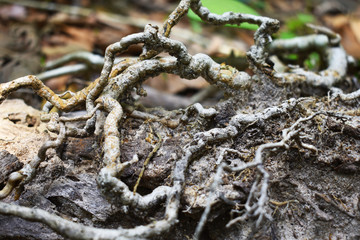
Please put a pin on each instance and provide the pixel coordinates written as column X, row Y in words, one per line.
column 58, row 84
column 84, row 36
column 355, row 27
column 348, row 27
column 173, row 84
column 336, row 22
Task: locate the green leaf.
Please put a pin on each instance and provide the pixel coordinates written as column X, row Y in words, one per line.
column 305, row 18
column 299, row 21
column 313, row 61
column 196, row 26
column 296, row 26
column 292, row 56
column 220, row 7
column 287, row 35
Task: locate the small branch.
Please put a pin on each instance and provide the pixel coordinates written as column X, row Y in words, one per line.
column 262, row 36
column 336, row 59
column 147, row 160
column 337, row 92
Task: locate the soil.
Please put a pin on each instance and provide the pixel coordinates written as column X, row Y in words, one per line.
column 313, row 194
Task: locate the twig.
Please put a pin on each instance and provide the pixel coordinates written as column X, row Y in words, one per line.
column 147, row 160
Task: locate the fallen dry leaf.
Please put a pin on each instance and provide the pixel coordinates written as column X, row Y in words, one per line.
column 348, row 27
column 173, row 84
column 355, row 27
column 86, row 36
column 336, row 22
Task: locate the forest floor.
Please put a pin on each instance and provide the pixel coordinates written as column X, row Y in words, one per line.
column 312, row 194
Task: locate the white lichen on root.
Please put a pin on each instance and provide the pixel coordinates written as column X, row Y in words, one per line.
column 326, row 43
